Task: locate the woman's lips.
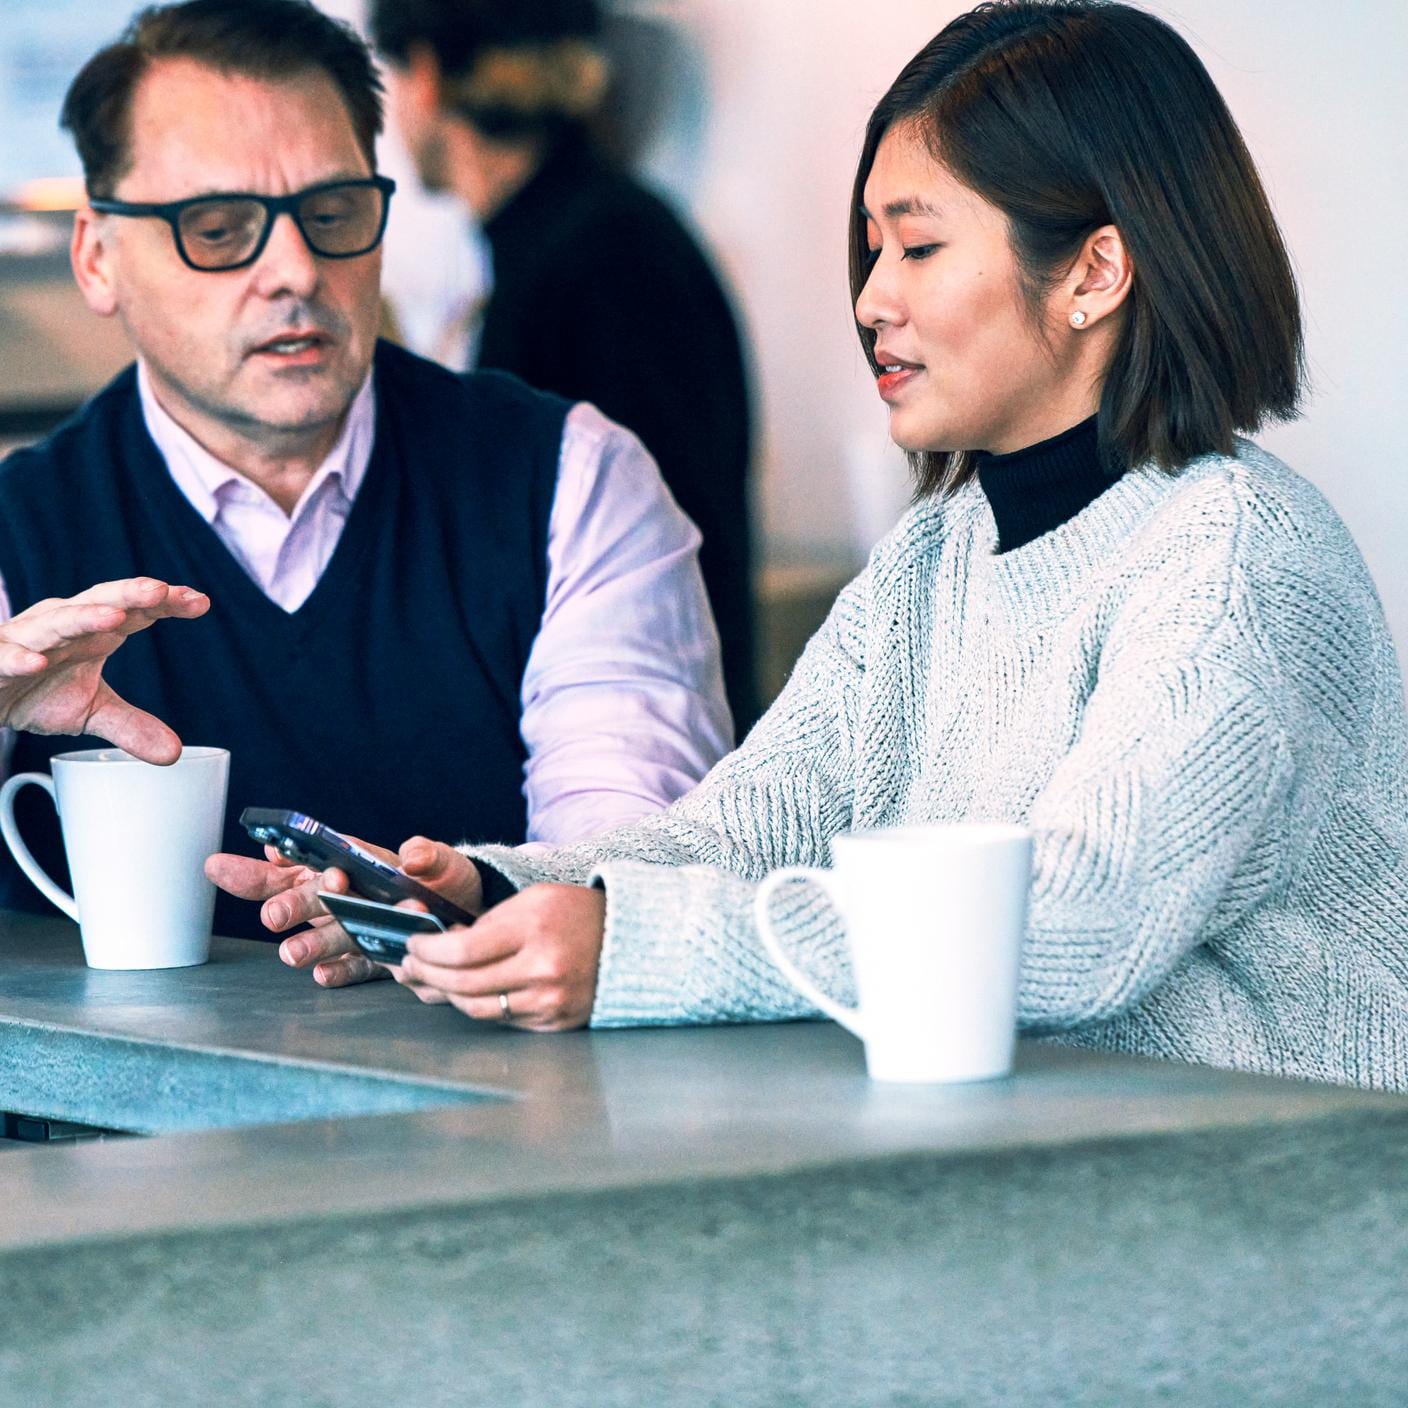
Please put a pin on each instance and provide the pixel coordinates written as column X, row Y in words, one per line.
column 894, row 377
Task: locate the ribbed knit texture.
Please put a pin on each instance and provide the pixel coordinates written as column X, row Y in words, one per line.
column 1188, row 692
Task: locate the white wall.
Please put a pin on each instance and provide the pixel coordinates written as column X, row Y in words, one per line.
column 1321, row 97
column 764, row 103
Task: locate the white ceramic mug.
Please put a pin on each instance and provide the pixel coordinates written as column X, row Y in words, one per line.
column 137, row 837
column 934, row 917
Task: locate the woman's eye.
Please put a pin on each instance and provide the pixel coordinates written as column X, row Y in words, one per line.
column 919, row 251
column 871, row 255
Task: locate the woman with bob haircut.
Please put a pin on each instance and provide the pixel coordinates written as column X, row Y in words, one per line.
column 1106, row 616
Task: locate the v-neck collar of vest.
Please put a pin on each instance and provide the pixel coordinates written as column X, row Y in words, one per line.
column 336, row 587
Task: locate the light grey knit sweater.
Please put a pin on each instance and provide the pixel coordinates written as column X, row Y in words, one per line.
column 1187, row 691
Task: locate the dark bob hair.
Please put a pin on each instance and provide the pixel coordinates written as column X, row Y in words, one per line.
column 1072, row 114
column 268, row 39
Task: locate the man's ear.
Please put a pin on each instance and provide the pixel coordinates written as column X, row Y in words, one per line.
column 1100, row 278
column 91, row 256
column 423, row 80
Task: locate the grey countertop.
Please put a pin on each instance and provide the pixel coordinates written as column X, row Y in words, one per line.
column 276, row 1100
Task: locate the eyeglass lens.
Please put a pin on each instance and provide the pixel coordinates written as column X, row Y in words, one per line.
column 337, row 221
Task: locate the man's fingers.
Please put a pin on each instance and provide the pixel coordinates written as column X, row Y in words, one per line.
column 18, row 661
column 252, row 879
column 299, row 904
column 132, row 729
column 324, row 941
column 181, row 608
column 351, row 968
column 145, row 594
column 125, row 592
column 63, row 624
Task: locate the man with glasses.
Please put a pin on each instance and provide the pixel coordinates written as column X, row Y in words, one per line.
column 427, row 603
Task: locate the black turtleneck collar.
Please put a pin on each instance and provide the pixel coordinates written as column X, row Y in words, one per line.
column 1033, row 490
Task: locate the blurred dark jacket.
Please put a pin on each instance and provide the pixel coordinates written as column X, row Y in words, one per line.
column 600, row 294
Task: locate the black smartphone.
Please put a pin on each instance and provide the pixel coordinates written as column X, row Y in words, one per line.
column 299, row 838
column 379, row 930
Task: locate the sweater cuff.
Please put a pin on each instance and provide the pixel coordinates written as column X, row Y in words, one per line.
column 645, row 954
column 505, row 870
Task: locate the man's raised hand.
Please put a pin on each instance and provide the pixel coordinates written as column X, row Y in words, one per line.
column 52, row 657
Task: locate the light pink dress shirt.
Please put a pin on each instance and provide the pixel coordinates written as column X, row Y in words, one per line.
column 623, row 701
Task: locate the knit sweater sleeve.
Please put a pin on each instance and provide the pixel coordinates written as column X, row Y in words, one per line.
column 1151, row 836
column 680, row 944
column 1226, row 702
column 1229, row 701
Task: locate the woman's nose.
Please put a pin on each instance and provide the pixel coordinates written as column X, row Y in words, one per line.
column 878, row 303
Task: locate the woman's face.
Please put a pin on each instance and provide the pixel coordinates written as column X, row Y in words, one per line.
column 962, row 367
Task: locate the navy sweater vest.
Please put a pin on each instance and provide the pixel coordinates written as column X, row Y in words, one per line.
column 388, row 704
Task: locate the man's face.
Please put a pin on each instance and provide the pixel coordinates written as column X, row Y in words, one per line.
column 413, row 106
column 270, row 355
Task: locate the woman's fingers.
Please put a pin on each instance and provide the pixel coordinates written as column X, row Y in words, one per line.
column 489, row 1009
column 538, row 950
column 426, row 994
column 443, row 869
column 482, row 980
column 466, row 946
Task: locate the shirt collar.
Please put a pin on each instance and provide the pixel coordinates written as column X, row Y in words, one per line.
column 204, row 479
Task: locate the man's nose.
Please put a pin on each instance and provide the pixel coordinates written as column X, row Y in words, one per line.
column 286, row 265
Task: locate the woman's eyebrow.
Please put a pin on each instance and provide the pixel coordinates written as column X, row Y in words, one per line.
column 911, row 205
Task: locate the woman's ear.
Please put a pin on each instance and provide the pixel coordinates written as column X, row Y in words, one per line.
column 1099, row 280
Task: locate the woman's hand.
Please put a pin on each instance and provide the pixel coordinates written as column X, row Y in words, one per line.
column 530, row 961
column 289, row 895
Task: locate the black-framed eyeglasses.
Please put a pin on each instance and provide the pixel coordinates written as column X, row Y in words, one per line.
column 338, row 220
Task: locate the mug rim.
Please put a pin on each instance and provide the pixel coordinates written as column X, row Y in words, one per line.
column 192, row 754
column 918, row 834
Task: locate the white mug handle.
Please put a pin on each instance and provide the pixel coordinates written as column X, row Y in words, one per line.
column 21, row 852
column 848, row 1017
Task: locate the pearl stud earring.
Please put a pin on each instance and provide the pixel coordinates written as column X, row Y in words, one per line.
column 1078, row 319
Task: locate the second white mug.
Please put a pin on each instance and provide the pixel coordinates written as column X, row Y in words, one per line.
column 934, row 917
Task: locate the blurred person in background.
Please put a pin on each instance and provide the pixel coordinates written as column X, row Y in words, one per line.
column 1107, row 617
column 598, row 292
column 426, row 600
